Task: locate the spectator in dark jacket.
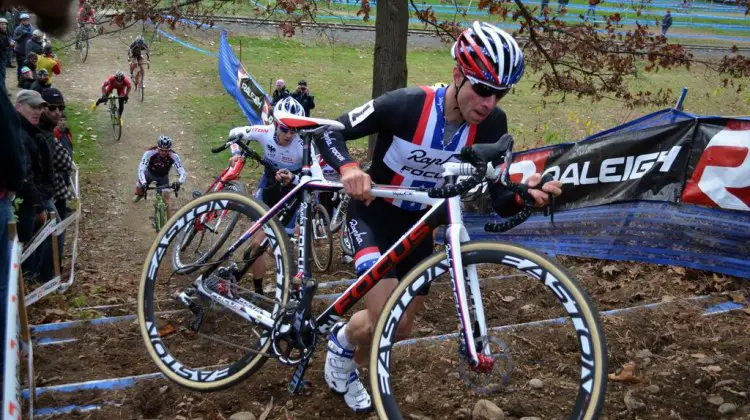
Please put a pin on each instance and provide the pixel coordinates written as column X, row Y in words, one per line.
column 280, row 92
column 42, row 81
column 5, row 48
column 62, row 161
column 35, row 43
column 303, row 96
column 22, row 34
column 666, row 23
column 37, row 189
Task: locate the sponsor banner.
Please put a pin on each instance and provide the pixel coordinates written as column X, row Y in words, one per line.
column 720, row 168
column 250, row 96
column 667, row 156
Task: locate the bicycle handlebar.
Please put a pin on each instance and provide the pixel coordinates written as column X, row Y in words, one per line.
column 175, row 187
column 479, row 156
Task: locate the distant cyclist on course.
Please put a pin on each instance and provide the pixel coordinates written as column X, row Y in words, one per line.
column 135, row 54
column 154, row 167
column 118, row 82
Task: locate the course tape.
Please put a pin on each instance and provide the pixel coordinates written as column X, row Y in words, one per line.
column 126, row 382
column 186, row 44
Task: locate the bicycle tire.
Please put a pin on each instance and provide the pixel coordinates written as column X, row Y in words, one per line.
column 345, row 242
column 202, row 378
column 339, row 214
column 590, row 399
column 84, row 51
column 188, row 234
column 160, row 213
column 321, row 257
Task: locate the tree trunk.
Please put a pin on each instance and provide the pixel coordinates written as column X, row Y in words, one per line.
column 389, row 67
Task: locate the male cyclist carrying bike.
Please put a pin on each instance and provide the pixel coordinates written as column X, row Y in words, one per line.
column 135, row 54
column 155, row 166
column 419, row 129
column 118, row 82
column 282, row 148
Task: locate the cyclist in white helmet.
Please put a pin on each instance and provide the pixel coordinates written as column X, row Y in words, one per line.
column 419, row 129
column 282, row 149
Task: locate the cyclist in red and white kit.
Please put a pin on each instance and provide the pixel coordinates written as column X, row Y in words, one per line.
column 282, row 148
column 154, row 167
column 419, row 129
column 119, row 82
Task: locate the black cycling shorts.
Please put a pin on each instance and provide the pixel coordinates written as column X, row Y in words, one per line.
column 375, row 228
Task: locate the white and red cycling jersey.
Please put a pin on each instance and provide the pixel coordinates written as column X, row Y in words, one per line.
column 281, row 157
column 414, row 139
column 86, row 14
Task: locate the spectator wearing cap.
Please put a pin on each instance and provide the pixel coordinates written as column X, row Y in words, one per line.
column 303, row 96
column 62, row 161
column 27, row 78
column 37, row 189
column 281, row 92
column 42, row 81
column 48, row 61
column 36, row 43
column 22, row 33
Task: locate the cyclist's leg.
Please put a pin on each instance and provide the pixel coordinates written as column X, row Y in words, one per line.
column 120, row 103
column 258, row 269
column 105, row 94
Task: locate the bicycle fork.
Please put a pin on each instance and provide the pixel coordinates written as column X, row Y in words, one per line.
column 456, row 234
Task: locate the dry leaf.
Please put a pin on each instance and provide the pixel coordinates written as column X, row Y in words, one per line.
column 626, row 375
column 712, row 368
column 610, row 269
column 677, row 270
column 167, row 330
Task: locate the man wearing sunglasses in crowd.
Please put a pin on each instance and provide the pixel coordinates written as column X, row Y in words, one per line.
column 282, row 148
column 418, row 130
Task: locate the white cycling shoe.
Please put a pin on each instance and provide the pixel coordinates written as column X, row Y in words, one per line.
column 342, row 376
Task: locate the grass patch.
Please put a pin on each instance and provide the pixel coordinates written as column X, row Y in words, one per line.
column 340, row 77
column 87, row 151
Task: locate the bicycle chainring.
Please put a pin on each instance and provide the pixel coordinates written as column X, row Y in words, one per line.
column 288, row 344
column 493, row 372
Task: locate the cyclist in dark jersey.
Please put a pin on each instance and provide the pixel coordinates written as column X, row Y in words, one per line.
column 135, row 54
column 419, row 129
column 154, row 167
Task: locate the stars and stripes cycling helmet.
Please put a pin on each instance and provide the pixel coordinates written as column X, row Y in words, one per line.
column 486, row 54
column 119, row 76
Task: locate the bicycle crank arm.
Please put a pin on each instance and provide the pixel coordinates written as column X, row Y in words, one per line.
column 297, row 382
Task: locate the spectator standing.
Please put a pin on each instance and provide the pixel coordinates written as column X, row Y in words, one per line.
column 666, row 23
column 27, row 78
column 280, row 93
column 36, row 43
column 36, row 190
column 562, row 4
column 62, row 161
column 63, row 133
column 592, row 9
column 545, row 3
column 42, row 81
column 5, row 48
column 48, row 61
column 303, row 96
column 22, row 33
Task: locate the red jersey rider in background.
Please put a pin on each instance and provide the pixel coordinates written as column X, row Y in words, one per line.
column 85, row 13
column 122, row 84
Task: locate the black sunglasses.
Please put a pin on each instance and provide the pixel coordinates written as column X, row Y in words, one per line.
column 485, row 91
column 54, row 108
